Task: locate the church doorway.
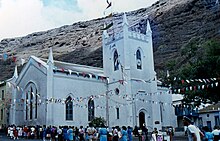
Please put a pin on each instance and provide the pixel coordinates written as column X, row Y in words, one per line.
column 141, row 119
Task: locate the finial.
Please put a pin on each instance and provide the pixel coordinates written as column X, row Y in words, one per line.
column 105, row 34
column 125, row 21
column 148, row 27
column 16, row 72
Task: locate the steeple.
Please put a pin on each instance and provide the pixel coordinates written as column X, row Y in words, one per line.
column 15, row 72
column 148, row 27
column 125, row 21
column 50, row 59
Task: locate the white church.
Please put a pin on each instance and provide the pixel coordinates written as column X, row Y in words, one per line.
column 124, row 92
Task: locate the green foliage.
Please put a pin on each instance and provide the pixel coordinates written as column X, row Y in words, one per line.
column 190, row 49
column 171, row 65
column 199, row 62
column 98, row 121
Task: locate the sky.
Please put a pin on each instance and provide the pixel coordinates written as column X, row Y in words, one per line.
column 22, row 17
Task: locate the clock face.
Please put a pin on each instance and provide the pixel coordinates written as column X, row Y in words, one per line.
column 116, row 91
column 138, row 62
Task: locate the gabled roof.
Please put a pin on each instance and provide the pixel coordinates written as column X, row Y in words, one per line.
column 77, row 68
column 211, row 108
column 39, row 61
column 65, row 67
column 30, row 61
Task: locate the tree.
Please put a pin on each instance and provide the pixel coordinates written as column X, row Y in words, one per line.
column 98, row 121
column 200, row 62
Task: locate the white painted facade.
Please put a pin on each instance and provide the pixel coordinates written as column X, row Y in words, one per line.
column 133, row 95
column 5, row 97
column 209, row 119
column 209, row 116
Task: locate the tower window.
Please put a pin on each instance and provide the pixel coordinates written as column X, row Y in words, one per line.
column 116, row 61
column 138, row 59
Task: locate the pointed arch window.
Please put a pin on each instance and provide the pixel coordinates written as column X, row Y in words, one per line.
column 91, row 110
column 31, row 101
column 138, row 59
column 2, row 112
column 36, row 108
column 31, row 104
column 69, row 108
column 116, row 61
column 26, row 106
column 161, row 111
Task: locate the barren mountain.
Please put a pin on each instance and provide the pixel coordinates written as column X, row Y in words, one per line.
column 174, row 24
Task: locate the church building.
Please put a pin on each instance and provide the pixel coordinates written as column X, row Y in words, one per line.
column 124, row 92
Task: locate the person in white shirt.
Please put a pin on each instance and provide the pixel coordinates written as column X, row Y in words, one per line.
column 91, row 132
column 193, row 132
column 216, row 133
column 20, row 131
column 115, row 134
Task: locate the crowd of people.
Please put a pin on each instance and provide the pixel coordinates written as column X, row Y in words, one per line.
column 71, row 133
column 203, row 134
column 102, row 133
column 211, row 135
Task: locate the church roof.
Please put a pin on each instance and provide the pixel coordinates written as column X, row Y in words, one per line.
column 64, row 67
column 67, row 67
column 211, row 108
column 39, row 61
column 79, row 68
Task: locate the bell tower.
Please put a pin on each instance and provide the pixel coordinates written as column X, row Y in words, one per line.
column 128, row 58
column 128, row 51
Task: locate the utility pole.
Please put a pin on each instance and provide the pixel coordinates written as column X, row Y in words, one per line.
column 107, row 107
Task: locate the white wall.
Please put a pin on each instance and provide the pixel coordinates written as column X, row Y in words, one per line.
column 76, row 87
column 34, row 74
column 210, row 117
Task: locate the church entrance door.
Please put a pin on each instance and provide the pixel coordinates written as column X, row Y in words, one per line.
column 141, row 119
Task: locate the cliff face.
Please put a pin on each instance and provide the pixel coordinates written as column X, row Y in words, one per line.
column 195, row 19
column 174, row 23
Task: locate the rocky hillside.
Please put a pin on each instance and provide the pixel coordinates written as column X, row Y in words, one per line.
column 174, row 23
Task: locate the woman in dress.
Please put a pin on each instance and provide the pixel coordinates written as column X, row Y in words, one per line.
column 129, row 133
column 103, row 133
column 124, row 134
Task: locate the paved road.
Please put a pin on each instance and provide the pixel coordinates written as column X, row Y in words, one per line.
column 4, row 138
column 180, row 136
column 177, row 137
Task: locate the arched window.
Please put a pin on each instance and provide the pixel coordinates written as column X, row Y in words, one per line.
column 91, row 110
column 116, row 61
column 161, row 111
column 36, row 99
column 138, row 59
column 69, row 108
column 31, row 103
column 26, row 106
